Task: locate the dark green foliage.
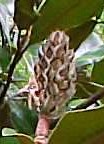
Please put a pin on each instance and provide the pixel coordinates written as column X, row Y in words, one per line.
column 78, row 18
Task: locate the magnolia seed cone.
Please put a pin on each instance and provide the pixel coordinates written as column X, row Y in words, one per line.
column 54, row 75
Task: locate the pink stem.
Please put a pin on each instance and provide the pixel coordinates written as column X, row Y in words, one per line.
column 42, row 130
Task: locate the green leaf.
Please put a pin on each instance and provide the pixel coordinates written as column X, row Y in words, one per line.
column 16, row 139
column 9, row 140
column 80, row 33
column 96, row 55
column 4, row 58
column 64, row 15
column 85, row 85
column 33, row 49
column 24, row 14
column 79, row 127
column 21, row 72
column 4, row 116
column 92, row 42
column 85, row 88
column 98, row 73
column 77, row 35
column 74, row 103
column 24, row 139
column 8, row 132
column 23, row 119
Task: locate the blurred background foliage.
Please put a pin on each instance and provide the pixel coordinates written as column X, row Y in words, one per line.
column 83, row 21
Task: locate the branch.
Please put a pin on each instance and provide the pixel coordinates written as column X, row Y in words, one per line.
column 22, row 46
column 91, row 100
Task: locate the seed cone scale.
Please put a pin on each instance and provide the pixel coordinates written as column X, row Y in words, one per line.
column 54, row 75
